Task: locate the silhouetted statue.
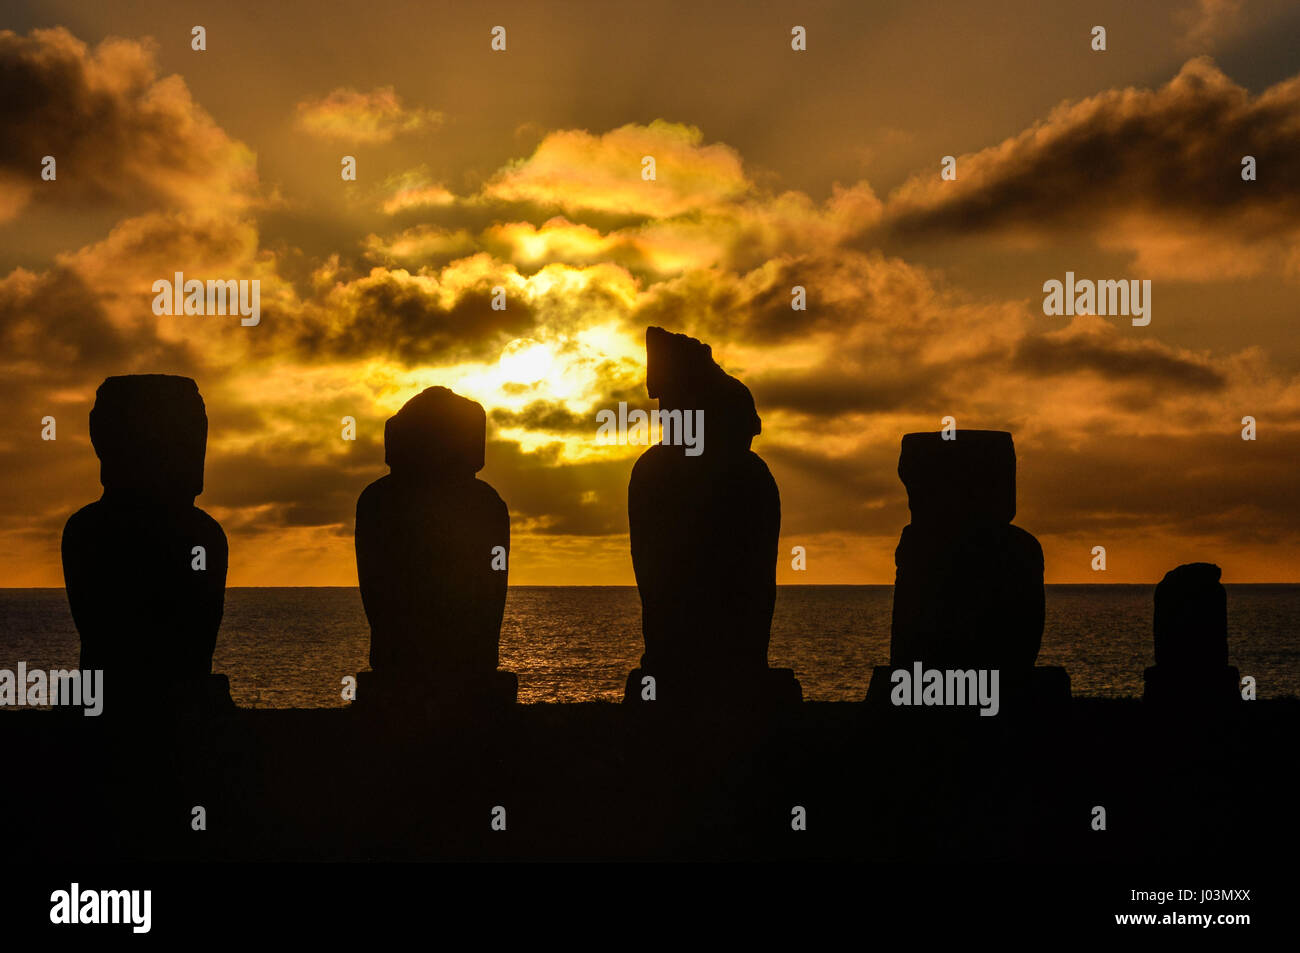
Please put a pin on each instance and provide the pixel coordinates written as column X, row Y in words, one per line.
column 145, row 569
column 969, row 587
column 432, row 560
column 704, row 520
column 1191, row 640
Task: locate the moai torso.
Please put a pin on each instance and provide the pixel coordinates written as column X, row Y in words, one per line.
column 432, row 544
column 969, row 587
column 145, row 569
column 704, row 529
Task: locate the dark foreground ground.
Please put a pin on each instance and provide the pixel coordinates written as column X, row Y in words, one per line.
column 600, row 781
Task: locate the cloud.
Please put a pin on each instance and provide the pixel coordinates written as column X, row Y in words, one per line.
column 1207, row 22
column 1172, row 480
column 575, row 170
column 411, row 318
column 552, row 498
column 118, row 132
column 1157, row 172
column 413, row 189
column 420, row 196
column 296, row 483
column 831, row 391
column 439, row 317
column 558, row 239
column 1091, row 344
column 420, row 244
column 55, row 333
column 856, row 301
column 378, row 116
column 734, row 235
column 545, row 415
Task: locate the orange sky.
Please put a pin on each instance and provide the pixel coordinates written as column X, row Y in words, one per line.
column 774, row 168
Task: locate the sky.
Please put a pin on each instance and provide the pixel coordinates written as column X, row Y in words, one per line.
column 775, row 168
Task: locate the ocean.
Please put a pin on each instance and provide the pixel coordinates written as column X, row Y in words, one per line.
column 290, row 648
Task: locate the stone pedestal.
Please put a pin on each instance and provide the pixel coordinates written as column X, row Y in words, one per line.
column 771, row 688
column 1216, row 687
column 162, row 705
column 481, row 691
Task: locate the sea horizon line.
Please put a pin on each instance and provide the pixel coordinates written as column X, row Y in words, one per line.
column 784, row 585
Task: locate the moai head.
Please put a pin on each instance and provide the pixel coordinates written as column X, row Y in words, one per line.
column 682, row 374
column 437, row 435
column 1191, row 618
column 150, row 432
column 963, row 482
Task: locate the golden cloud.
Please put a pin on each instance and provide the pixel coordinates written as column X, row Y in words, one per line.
column 377, row 116
column 575, row 170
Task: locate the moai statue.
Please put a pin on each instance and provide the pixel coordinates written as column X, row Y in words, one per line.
column 432, row 558
column 704, row 523
column 1191, row 641
column 969, row 587
column 144, row 568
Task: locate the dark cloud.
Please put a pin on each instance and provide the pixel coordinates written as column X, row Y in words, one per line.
column 829, row 392
column 117, row 130
column 392, row 315
column 854, row 493
column 289, row 485
column 1174, row 152
column 754, row 307
column 1214, row 484
column 547, row 415
column 1206, row 484
column 294, row 484
column 1103, row 352
column 54, row 332
column 554, row 497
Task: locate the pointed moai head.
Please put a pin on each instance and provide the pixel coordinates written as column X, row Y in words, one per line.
column 967, row 481
column 682, row 374
column 436, row 435
column 150, row 432
column 1191, row 618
